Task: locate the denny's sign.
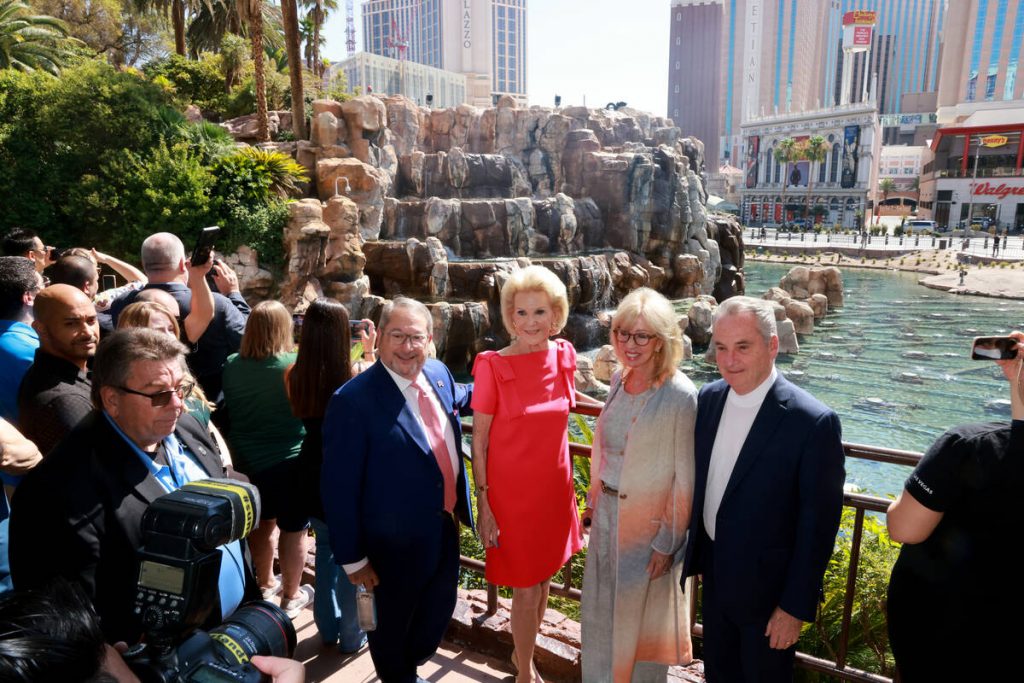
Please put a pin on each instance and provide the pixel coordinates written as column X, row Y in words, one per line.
column 994, row 140
column 1002, row 190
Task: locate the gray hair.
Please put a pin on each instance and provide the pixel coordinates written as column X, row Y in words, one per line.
column 404, row 302
column 762, row 310
column 122, row 348
column 162, row 251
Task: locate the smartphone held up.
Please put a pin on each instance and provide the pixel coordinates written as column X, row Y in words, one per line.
column 994, row 348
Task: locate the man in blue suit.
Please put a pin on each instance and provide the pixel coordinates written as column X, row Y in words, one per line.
column 767, row 501
column 394, row 487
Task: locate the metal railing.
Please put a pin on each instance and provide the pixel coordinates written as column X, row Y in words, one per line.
column 861, row 504
column 1010, row 247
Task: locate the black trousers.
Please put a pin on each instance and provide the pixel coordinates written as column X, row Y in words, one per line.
column 413, row 612
column 736, row 651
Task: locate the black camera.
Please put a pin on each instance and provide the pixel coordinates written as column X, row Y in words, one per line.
column 179, row 569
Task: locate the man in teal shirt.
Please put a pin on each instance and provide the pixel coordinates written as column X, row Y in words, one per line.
column 19, row 283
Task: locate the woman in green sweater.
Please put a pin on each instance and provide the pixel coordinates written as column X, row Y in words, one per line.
column 265, row 440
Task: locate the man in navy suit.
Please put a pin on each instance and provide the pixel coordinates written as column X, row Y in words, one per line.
column 767, row 501
column 394, row 486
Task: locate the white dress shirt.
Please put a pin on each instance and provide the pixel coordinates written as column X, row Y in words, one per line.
column 412, row 401
column 737, row 418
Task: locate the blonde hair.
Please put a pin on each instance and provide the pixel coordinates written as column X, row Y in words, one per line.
column 141, row 313
column 658, row 313
column 535, row 279
column 268, row 332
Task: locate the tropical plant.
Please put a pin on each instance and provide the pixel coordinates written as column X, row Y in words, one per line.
column 194, row 81
column 785, row 152
column 814, row 150
column 255, row 176
column 32, row 42
column 250, row 12
column 318, row 11
column 885, row 186
column 290, row 20
column 233, row 54
column 868, row 644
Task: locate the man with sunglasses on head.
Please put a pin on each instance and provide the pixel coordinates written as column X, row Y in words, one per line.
column 56, row 393
column 78, row 515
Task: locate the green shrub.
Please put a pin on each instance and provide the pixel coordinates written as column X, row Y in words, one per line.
column 134, row 195
column 56, row 134
column 869, row 637
column 199, row 82
column 242, row 99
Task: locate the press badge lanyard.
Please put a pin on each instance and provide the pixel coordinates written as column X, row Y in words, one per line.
column 171, row 476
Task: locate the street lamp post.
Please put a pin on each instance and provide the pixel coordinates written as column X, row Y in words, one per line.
column 970, row 197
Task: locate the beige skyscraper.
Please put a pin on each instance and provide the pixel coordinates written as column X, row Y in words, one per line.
column 485, row 40
column 982, row 60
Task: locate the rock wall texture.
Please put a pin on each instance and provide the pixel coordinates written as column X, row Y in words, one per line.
column 440, row 203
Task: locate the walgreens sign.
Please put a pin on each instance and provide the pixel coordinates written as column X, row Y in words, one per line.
column 1002, row 190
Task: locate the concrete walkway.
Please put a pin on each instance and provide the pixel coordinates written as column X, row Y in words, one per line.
column 451, row 664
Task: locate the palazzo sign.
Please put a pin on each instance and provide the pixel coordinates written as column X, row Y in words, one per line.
column 467, row 24
column 1001, row 191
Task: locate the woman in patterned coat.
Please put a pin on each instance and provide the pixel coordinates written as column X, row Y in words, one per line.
column 635, row 618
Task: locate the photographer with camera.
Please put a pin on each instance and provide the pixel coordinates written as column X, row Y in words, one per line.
column 52, row 634
column 957, row 517
column 78, row 515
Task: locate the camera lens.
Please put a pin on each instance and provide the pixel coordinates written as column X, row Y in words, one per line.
column 259, row 628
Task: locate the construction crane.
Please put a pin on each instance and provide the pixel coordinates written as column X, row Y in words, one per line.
column 397, row 41
column 350, row 28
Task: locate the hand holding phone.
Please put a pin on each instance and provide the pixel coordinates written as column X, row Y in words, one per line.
column 204, row 245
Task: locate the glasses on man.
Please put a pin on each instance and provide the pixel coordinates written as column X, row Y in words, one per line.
column 639, row 338
column 161, row 398
column 399, row 338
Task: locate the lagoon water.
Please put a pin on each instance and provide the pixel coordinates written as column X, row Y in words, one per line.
column 894, row 363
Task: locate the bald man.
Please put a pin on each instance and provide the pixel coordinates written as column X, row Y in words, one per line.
column 56, row 393
column 166, row 266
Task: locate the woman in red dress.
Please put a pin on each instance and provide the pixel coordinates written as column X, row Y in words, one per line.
column 527, row 514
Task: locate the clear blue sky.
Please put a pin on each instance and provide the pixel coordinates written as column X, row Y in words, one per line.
column 601, row 50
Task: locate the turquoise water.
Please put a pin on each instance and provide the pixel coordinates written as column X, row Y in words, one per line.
column 894, row 363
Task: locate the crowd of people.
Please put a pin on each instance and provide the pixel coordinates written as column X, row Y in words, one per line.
column 110, row 399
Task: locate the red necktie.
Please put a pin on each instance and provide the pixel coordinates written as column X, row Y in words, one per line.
column 435, row 436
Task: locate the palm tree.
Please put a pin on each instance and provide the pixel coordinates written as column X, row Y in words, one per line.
column 885, row 186
column 214, row 19
column 306, row 36
column 319, row 9
column 176, row 8
column 814, row 151
column 290, row 19
column 785, row 152
column 31, row 42
column 250, row 12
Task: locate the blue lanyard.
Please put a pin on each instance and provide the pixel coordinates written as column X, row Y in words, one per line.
column 171, row 476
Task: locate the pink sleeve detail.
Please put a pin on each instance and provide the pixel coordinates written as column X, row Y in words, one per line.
column 485, row 394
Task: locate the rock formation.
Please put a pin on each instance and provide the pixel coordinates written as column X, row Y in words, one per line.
column 409, row 199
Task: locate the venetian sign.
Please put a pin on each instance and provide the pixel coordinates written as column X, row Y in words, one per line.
column 994, row 140
column 1002, row 190
column 863, row 17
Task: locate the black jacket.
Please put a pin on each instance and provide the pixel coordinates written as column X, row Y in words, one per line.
column 79, row 515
